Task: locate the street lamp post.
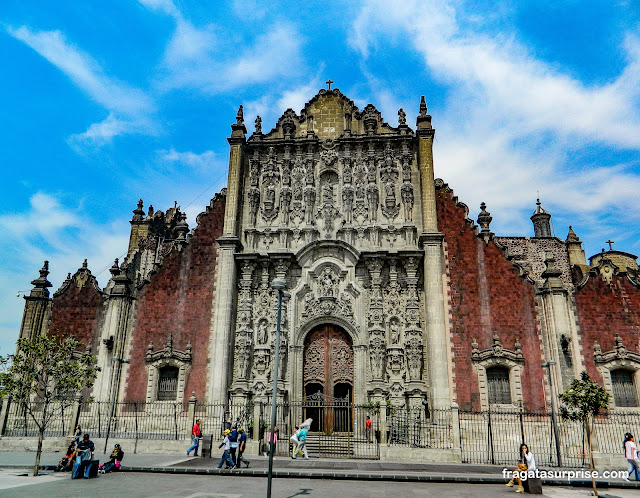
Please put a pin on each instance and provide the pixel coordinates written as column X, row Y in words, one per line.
column 554, row 421
column 114, row 393
column 279, row 284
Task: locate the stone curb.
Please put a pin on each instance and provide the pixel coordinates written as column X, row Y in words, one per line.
column 374, row 476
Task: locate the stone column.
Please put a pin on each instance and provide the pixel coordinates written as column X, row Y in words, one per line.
column 558, row 321
column 431, row 242
column 223, row 323
column 37, row 307
column 113, row 337
column 223, row 320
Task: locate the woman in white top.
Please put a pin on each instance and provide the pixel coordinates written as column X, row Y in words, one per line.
column 631, row 454
column 527, row 463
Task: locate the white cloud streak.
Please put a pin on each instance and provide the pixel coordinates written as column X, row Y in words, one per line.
column 511, row 121
column 129, row 108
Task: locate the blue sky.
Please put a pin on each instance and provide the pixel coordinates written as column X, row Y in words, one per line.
column 106, row 102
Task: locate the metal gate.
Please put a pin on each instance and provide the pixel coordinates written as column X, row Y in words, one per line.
column 339, row 429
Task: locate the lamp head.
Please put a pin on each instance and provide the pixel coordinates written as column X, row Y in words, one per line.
column 279, row 284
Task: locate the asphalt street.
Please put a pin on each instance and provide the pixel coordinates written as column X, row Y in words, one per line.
column 235, row 486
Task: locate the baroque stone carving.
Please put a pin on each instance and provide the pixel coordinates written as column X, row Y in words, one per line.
column 497, row 351
column 620, row 352
column 168, row 352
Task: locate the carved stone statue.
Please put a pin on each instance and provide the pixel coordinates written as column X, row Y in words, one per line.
column 310, row 200
column 347, row 203
column 258, row 125
column 328, row 283
column 374, row 199
column 402, row 117
column 269, row 197
column 395, row 332
column 390, row 192
column 254, row 203
column 407, row 200
column 285, row 200
column 263, row 335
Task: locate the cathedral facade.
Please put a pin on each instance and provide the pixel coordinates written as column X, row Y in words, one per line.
column 397, row 296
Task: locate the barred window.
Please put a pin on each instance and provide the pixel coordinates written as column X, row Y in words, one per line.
column 499, row 386
column 168, row 384
column 624, row 391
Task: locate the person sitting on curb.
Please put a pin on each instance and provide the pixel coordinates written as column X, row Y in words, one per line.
column 226, row 455
column 114, row 461
column 84, row 455
column 527, row 464
column 66, row 463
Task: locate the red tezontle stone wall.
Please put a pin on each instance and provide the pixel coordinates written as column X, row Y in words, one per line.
column 179, row 300
column 604, row 310
column 77, row 312
column 486, row 295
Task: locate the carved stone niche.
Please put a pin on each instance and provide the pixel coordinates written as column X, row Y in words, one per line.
column 167, row 357
column 497, row 356
column 619, row 358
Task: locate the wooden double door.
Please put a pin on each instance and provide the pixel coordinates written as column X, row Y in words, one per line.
column 328, row 379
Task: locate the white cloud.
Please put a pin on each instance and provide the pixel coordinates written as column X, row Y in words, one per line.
column 203, row 161
column 62, row 235
column 129, row 108
column 214, row 60
column 511, row 120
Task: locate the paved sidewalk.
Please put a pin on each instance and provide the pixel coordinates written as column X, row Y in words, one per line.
column 315, row 468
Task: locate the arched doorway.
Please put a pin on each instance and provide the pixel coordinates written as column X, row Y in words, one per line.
column 328, row 379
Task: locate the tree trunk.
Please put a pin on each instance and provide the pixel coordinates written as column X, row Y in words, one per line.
column 38, row 452
column 592, row 464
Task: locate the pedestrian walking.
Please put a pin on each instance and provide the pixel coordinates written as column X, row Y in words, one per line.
column 527, row 463
column 233, row 444
column 226, row 455
column 367, row 428
column 242, row 445
column 275, row 441
column 631, row 454
column 301, row 435
column 196, row 436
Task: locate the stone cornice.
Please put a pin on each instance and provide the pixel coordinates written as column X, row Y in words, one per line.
column 497, row 351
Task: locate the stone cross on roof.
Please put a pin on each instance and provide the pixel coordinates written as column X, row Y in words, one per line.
column 610, row 242
column 329, row 82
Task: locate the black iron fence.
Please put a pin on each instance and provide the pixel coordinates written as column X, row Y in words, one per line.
column 495, row 437
column 419, row 428
column 341, row 429
column 21, row 423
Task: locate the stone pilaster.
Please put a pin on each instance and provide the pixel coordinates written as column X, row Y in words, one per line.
column 37, row 307
column 113, row 337
column 234, row 184
column 559, row 334
column 223, row 320
column 431, row 242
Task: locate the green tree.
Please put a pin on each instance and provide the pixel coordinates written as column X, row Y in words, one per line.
column 45, row 377
column 582, row 401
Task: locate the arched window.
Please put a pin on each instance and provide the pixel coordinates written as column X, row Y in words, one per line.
column 168, row 384
column 624, row 390
column 499, row 385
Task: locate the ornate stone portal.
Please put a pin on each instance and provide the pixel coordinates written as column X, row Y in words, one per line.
column 329, row 205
